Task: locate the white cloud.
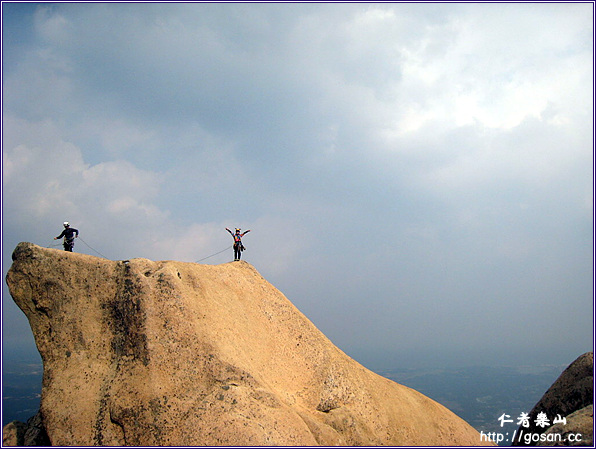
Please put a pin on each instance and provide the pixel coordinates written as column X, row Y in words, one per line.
column 41, row 168
column 51, row 25
column 496, row 68
column 193, row 243
column 46, row 178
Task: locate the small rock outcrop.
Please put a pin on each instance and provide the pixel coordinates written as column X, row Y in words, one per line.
column 31, row 433
column 13, row 434
column 143, row 353
column 569, row 398
column 580, row 422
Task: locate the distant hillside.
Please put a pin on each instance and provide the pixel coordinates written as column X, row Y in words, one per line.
column 179, row 354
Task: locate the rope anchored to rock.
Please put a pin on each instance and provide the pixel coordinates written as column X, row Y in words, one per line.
column 200, row 260
column 92, row 249
column 55, row 245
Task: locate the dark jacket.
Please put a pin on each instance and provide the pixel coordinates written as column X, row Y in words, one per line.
column 69, row 234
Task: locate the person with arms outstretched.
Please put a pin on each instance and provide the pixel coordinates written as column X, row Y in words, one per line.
column 238, row 246
column 69, row 235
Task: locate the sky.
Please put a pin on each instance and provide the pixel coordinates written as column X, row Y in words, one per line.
column 417, row 177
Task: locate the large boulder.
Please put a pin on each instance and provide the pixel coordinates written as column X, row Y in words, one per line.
column 180, row 354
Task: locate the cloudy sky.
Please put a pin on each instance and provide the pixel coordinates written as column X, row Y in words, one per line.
column 417, row 177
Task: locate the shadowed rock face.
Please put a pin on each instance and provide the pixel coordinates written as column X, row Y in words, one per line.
column 571, row 397
column 169, row 353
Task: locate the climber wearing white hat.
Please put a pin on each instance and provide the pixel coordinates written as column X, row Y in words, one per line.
column 69, row 235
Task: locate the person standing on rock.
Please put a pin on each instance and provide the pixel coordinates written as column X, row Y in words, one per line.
column 69, row 235
column 238, row 246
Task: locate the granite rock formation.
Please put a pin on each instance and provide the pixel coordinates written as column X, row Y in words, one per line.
column 31, row 433
column 580, row 422
column 144, row 353
column 569, row 398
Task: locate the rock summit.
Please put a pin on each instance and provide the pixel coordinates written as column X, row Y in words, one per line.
column 144, row 353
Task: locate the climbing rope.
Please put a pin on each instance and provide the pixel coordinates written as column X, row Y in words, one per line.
column 55, row 245
column 100, row 254
column 92, row 249
column 200, row 260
